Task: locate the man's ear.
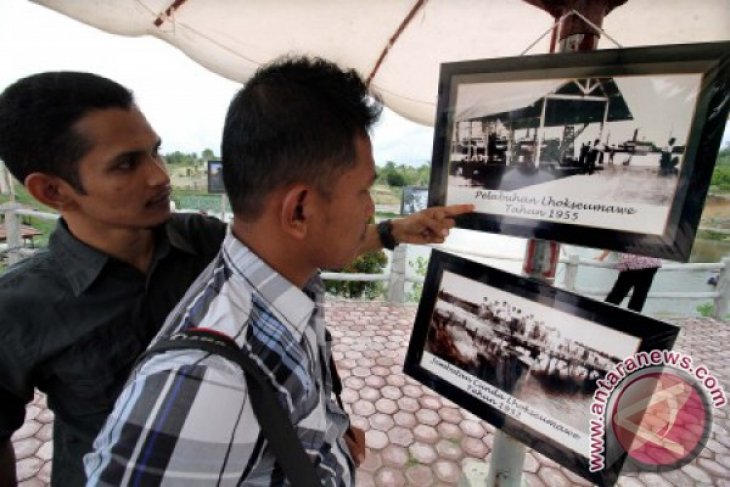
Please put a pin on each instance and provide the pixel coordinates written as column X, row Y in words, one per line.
column 51, row 191
column 295, row 209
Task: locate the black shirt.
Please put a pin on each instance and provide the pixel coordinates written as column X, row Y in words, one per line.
column 73, row 320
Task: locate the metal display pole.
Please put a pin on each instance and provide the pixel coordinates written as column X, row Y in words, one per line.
column 578, row 32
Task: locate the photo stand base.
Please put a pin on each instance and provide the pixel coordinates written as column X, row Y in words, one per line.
column 504, row 468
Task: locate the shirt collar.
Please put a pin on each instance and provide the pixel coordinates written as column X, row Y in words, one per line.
column 292, row 305
column 82, row 264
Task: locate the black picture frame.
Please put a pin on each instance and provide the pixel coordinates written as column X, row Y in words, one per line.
column 413, row 199
column 215, row 177
column 454, row 334
column 609, row 149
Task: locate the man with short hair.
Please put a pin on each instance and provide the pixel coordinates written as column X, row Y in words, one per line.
column 74, row 317
column 297, row 167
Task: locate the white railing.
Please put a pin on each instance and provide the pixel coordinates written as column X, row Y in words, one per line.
column 398, row 278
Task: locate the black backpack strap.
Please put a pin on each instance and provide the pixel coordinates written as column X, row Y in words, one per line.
column 274, row 421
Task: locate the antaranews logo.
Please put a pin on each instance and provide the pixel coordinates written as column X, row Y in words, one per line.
column 653, row 410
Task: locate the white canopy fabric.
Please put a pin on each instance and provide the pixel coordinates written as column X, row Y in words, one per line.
column 234, row 37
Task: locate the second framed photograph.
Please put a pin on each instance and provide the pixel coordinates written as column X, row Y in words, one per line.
column 608, row 149
column 415, row 199
column 523, row 355
column 215, row 177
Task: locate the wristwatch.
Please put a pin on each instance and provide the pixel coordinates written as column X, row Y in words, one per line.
column 385, row 232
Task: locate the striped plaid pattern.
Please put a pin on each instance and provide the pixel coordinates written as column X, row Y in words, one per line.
column 184, row 417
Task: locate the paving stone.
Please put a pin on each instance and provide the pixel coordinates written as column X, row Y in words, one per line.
column 386, row 406
column 361, row 372
column 452, row 415
column 365, row 362
column 376, row 439
column 32, row 482
column 363, row 408
column 373, row 461
column 430, row 402
column 678, row 477
column 375, row 381
column 427, row 416
column 396, row 380
column 391, row 392
column 45, row 433
column 575, row 479
column 474, row 448
column 381, row 422
column 381, row 371
column 423, row 453
column 354, row 383
column 713, row 468
column 384, row 361
column 26, row 447
column 532, row 480
column 472, row 428
column 449, row 431
column 369, row 394
column 531, row 464
column 365, row 479
column 400, row 436
column 625, row 481
column 394, row 456
column 653, row 480
column 405, row 419
column 28, row 429
column 419, row 475
column 426, row 434
column 45, row 472
column 408, row 404
column 389, row 477
column 697, row 474
column 553, row 477
column 27, row 468
column 449, row 450
column 413, row 391
column 359, row 422
column 446, row 471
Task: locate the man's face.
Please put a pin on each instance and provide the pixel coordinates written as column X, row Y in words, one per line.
column 347, row 210
column 125, row 181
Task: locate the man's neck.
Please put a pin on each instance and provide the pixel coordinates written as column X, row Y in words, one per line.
column 275, row 250
column 136, row 247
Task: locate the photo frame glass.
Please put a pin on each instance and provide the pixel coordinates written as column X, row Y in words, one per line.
column 610, row 149
column 522, row 355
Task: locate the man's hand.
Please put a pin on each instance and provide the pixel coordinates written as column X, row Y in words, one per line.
column 431, row 225
column 355, row 439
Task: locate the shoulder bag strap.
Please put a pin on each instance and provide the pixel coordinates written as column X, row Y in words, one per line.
column 274, row 421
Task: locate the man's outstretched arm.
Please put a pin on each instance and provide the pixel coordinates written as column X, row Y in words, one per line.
column 431, row 225
column 7, row 463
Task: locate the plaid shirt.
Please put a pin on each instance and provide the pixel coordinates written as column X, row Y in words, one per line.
column 184, row 417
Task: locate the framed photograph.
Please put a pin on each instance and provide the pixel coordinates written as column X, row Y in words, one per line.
column 414, row 199
column 523, row 355
column 610, row 149
column 215, row 177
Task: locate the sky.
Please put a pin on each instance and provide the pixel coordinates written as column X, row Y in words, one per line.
column 184, row 102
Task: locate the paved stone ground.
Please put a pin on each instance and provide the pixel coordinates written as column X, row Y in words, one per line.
column 416, row 437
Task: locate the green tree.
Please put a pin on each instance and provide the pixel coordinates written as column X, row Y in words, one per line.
column 395, row 179
column 207, row 155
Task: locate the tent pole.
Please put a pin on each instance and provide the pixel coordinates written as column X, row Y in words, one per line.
column 541, row 256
